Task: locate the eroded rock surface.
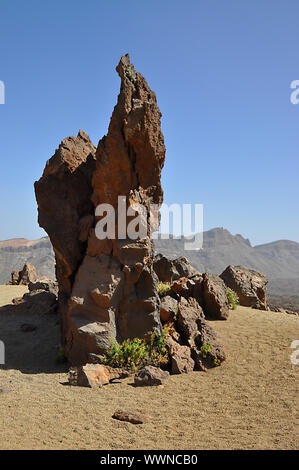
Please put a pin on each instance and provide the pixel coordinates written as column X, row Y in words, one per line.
column 249, row 285
column 25, row 276
column 107, row 288
column 94, row 375
column 150, row 376
column 214, row 297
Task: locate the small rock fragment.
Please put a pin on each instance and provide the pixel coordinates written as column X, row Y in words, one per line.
column 129, row 416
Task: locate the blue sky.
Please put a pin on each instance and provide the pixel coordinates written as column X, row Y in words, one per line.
column 221, row 71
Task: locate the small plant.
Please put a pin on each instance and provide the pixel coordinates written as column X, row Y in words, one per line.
column 232, row 299
column 130, row 354
column 205, row 350
column 60, row 357
column 206, row 354
column 133, row 354
column 163, row 288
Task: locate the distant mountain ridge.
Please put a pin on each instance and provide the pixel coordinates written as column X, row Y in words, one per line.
column 279, row 260
column 15, row 252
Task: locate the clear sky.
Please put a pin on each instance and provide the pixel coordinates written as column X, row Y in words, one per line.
column 221, row 70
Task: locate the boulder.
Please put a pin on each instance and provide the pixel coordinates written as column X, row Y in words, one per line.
column 150, row 376
column 215, row 300
column 25, row 276
column 107, row 287
column 14, row 278
column 37, row 302
column 206, row 350
column 200, row 348
column 168, row 309
column 164, row 269
column 44, row 285
column 170, row 270
column 249, row 285
column 184, row 268
column 189, row 312
column 183, row 287
column 181, row 360
column 94, row 375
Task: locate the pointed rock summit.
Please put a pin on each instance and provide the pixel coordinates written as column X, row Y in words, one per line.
column 107, row 287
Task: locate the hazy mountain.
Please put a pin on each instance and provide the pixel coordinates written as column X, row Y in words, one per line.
column 220, row 248
column 14, row 254
column 278, row 260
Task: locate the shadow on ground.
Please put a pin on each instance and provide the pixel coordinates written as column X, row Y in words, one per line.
column 31, row 352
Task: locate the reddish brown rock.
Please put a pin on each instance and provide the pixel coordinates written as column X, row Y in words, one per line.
column 14, row 278
column 132, row 417
column 216, row 305
column 25, row 276
column 63, row 197
column 183, row 287
column 189, row 312
column 107, row 288
column 206, row 350
column 170, row 270
column 94, row 375
column 249, row 285
column 168, row 309
column 181, row 360
column 150, row 376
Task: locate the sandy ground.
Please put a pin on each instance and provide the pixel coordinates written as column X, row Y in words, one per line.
column 251, row 402
column 7, row 293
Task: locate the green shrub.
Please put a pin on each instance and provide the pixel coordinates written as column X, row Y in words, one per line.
column 163, row 288
column 232, row 299
column 205, row 349
column 133, row 354
column 206, row 354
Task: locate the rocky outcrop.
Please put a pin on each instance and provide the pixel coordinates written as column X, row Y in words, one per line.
column 192, row 342
column 169, row 270
column 215, row 300
column 168, row 309
column 107, row 288
column 249, row 285
column 25, row 276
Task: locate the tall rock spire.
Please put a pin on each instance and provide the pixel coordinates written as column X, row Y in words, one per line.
column 107, row 286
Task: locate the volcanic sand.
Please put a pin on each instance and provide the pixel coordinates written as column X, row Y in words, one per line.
column 250, row 402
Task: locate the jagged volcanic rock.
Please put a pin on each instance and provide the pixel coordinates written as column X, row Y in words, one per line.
column 249, row 285
column 107, row 288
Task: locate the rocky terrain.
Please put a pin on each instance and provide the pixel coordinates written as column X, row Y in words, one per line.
column 247, row 403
